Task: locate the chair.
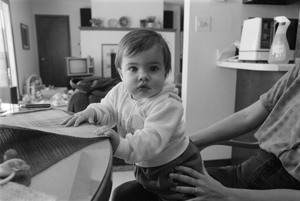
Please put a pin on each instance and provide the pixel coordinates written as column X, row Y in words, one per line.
column 232, row 143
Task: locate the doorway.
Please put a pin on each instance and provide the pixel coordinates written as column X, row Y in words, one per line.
column 53, row 39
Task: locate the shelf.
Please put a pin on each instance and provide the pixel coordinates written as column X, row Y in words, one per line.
column 255, row 66
column 119, row 29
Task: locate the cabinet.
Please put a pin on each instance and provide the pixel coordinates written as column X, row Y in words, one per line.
column 249, row 86
column 252, row 80
column 255, row 66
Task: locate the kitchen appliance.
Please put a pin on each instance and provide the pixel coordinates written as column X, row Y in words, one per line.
column 257, row 37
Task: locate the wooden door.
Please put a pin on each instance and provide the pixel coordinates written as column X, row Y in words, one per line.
column 53, row 38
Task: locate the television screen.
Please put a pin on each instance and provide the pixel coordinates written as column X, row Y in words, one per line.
column 78, row 66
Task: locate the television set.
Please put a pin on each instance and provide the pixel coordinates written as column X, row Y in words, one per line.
column 77, row 66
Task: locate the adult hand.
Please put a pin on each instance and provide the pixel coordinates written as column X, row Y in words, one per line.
column 205, row 187
column 88, row 115
column 202, row 186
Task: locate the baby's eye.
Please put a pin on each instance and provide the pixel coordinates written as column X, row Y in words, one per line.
column 154, row 68
column 133, row 69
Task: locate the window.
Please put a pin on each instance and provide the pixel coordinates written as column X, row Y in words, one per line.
column 8, row 71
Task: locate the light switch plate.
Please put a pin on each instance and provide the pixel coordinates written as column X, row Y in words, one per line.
column 203, row 24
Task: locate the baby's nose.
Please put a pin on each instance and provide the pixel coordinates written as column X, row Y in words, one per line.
column 143, row 76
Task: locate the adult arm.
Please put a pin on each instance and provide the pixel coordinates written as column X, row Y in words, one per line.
column 249, row 118
column 210, row 189
column 233, row 126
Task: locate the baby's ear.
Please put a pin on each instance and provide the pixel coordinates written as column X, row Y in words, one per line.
column 120, row 73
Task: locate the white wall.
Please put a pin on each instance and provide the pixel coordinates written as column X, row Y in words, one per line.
column 209, row 91
column 135, row 10
column 26, row 60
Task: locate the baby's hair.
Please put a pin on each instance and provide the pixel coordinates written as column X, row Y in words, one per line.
column 137, row 41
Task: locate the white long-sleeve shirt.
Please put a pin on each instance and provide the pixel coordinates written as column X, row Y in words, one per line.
column 152, row 130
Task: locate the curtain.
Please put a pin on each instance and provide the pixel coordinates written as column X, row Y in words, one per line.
column 8, row 72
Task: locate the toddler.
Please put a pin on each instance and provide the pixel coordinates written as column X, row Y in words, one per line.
column 147, row 112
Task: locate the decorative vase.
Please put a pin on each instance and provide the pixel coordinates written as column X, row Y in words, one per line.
column 150, row 24
column 143, row 23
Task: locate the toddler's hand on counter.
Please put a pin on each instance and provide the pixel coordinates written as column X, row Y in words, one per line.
column 113, row 136
column 88, row 115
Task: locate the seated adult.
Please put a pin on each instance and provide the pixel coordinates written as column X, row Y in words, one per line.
column 272, row 174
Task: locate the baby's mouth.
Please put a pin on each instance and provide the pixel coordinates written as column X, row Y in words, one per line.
column 143, row 87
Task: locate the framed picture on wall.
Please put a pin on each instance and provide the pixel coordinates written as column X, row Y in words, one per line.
column 25, row 36
column 107, row 49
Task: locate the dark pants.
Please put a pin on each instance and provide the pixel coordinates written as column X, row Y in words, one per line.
column 261, row 171
column 156, row 179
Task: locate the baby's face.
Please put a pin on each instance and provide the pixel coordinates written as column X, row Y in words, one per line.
column 143, row 75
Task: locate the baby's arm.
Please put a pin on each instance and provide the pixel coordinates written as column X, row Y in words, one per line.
column 113, row 136
column 103, row 113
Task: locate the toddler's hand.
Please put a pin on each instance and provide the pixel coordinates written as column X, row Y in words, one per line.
column 88, row 115
column 113, row 136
